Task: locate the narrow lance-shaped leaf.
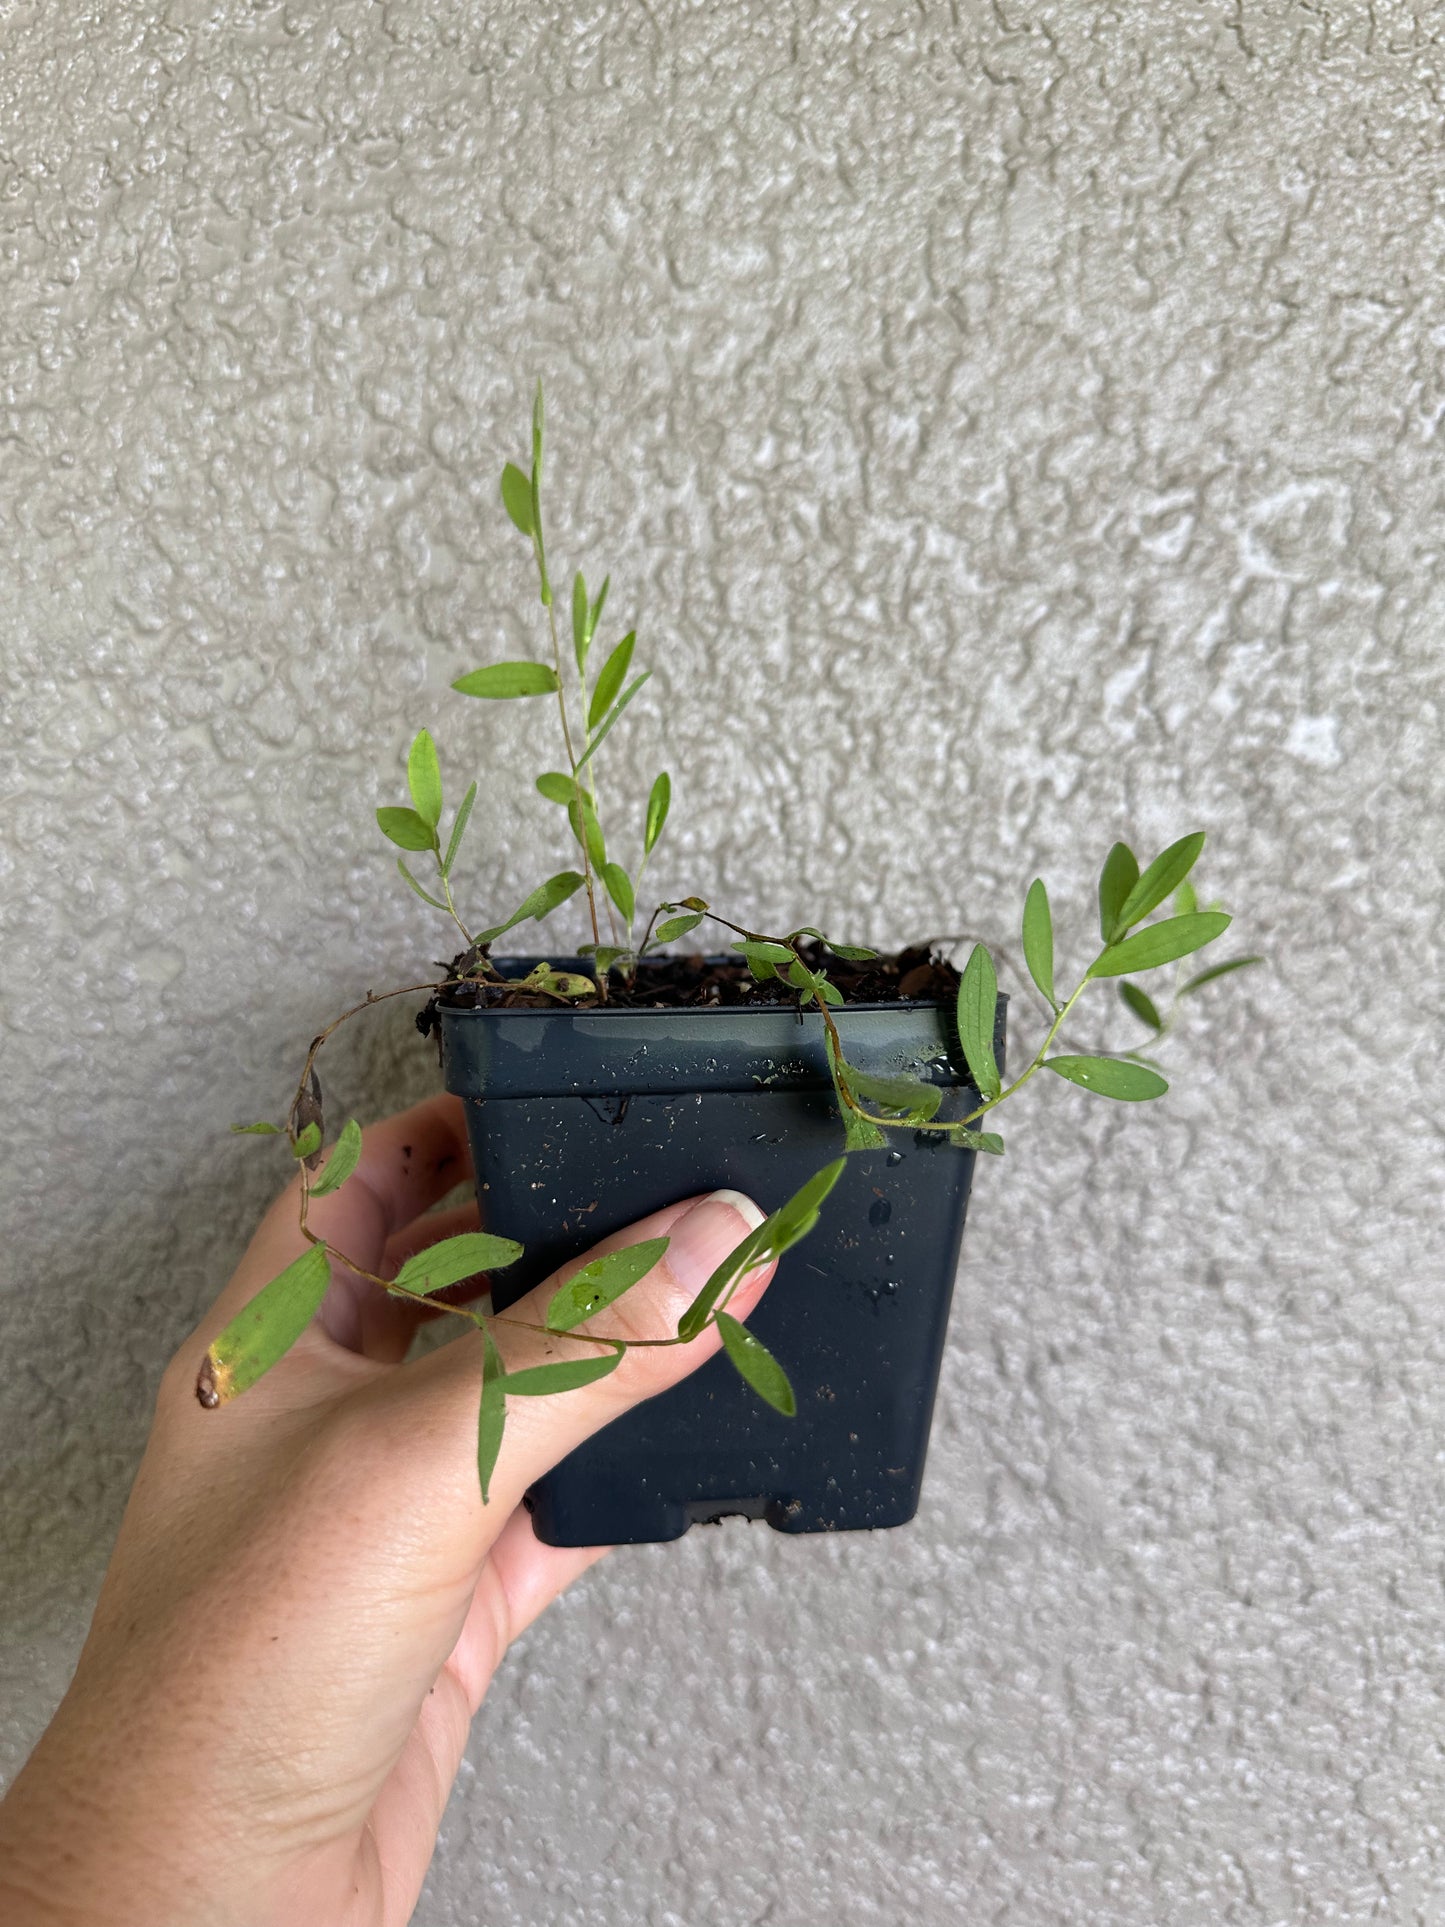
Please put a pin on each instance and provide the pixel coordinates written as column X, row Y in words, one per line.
column 658, row 803
column 451, row 1260
column 502, row 680
column 492, row 1414
column 459, row 825
column 860, row 1133
column 257, row 1130
column 756, row 1364
column 748, row 1252
column 411, row 882
column 567, row 1375
column 675, row 927
column 587, row 830
column 541, row 903
column 345, row 1155
column 1160, row 943
column 581, row 635
column 977, row 1012
column 557, row 787
column 1142, row 1005
column 614, row 674
column 971, row 1140
column 307, row 1141
column 796, row 1218
column 600, row 1283
column 406, row 829
column 264, row 1330
column 1039, row 939
column 1117, row 878
column 908, row 1095
column 1113, row 1077
column 1218, row 970
column 424, row 779
column 595, row 614
column 1163, row 876
column 619, row 888
column 623, row 700
column 517, row 497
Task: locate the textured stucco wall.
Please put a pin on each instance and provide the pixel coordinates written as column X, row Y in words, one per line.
column 1011, row 426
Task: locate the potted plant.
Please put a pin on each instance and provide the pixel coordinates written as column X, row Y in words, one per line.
column 808, row 1072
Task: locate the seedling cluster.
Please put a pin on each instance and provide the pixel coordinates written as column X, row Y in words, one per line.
column 870, row 1106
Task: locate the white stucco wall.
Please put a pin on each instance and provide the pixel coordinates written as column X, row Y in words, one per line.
column 1010, row 426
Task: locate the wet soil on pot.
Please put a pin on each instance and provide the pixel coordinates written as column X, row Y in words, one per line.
column 681, row 982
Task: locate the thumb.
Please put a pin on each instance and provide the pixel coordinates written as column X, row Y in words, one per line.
column 539, row 1432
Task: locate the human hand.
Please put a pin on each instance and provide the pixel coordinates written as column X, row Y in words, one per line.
column 307, row 1598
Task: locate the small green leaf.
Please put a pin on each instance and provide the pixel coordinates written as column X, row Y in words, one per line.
column 265, row 1329
column 861, row 1133
column 1164, row 875
column 451, row 1260
column 541, row 903
column 425, row 895
column 505, row 679
column 675, row 927
column 796, row 1218
column 623, row 700
column 614, row 674
column 969, row 1140
column 556, row 787
column 517, row 497
column 1142, row 1005
column 459, row 824
column 1160, row 943
column 560, row 983
column 853, row 952
column 909, row 1096
column 1218, row 970
column 1185, row 901
column 658, row 804
column 581, row 634
column 598, row 606
column 751, row 1250
column 1117, row 878
column 977, row 1012
column 764, row 952
column 587, row 830
column 406, row 829
column 306, row 1142
column 257, row 1130
column 604, row 955
column 1110, row 1077
column 492, row 1416
column 601, row 1283
column 424, row 778
column 619, row 888
column 1039, row 939
column 343, row 1160
column 568, row 1375
column 756, row 1364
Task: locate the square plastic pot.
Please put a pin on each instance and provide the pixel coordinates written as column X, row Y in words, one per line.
column 583, row 1121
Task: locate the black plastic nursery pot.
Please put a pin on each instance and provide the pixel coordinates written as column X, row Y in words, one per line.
column 582, row 1121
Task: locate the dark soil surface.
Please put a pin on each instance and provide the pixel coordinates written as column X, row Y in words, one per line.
column 685, row 982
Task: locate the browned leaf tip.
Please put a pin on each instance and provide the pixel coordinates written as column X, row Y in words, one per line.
column 212, row 1382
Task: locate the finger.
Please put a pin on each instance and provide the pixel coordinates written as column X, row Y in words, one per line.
column 408, row 1162
column 442, row 1391
column 363, row 1318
